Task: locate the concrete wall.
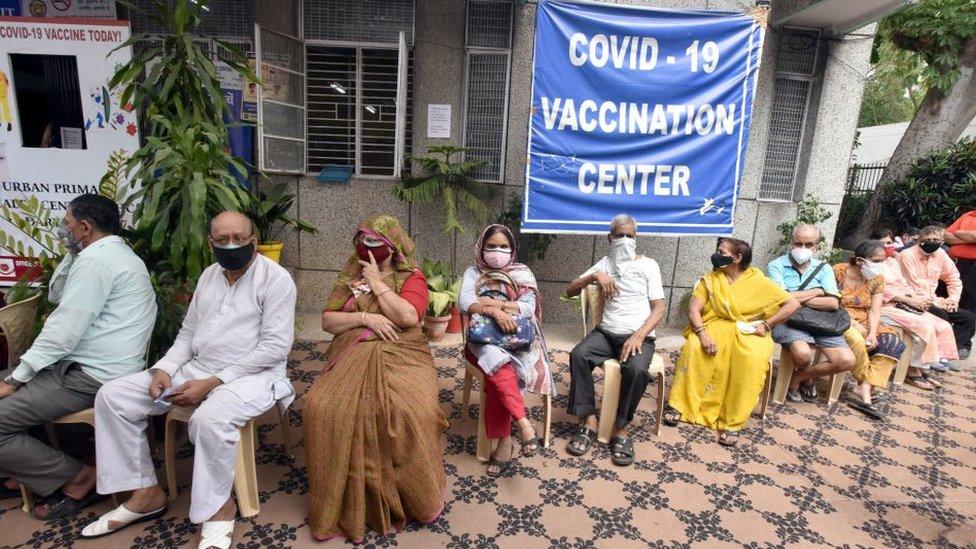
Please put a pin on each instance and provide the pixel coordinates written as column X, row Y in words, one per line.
column 438, row 78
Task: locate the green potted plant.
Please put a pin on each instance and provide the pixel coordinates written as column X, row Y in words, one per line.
column 450, row 181
column 443, row 289
column 269, row 211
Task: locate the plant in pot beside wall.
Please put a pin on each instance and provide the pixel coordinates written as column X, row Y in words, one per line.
column 269, row 210
column 442, row 289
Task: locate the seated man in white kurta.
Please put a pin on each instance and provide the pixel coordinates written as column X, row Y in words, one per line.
column 229, row 358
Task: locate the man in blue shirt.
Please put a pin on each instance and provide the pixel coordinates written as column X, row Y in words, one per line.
column 98, row 332
column 791, row 271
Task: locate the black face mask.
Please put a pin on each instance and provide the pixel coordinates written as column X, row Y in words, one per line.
column 234, row 259
column 719, row 260
column 929, row 247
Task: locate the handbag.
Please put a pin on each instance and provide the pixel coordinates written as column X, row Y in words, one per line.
column 816, row 322
column 483, row 330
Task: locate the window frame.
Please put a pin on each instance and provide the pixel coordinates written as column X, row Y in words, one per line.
column 466, row 83
column 358, row 47
column 258, row 71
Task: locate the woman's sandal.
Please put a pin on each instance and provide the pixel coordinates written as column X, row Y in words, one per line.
column 500, row 466
column 867, row 409
column 671, row 417
column 919, row 382
column 728, row 438
column 621, row 451
column 932, row 380
column 582, row 442
column 531, row 447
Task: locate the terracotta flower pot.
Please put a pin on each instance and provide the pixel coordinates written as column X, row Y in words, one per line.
column 454, row 326
column 271, row 250
column 436, row 326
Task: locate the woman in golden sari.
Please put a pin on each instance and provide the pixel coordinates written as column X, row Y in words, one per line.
column 725, row 359
column 372, row 421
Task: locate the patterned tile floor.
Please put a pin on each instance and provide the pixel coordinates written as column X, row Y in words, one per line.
column 809, row 476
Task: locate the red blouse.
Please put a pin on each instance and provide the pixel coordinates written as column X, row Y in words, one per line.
column 414, row 290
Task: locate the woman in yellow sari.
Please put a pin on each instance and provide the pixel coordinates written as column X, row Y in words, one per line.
column 372, row 422
column 725, row 359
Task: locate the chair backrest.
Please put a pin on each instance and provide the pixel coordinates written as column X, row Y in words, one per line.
column 591, row 301
column 17, row 325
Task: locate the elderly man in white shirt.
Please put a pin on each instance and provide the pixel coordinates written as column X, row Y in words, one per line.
column 229, row 358
column 633, row 307
column 104, row 318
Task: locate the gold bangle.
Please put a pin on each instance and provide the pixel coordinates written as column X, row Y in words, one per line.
column 379, row 295
column 362, row 319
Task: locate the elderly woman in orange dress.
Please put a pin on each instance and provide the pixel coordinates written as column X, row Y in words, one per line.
column 372, row 421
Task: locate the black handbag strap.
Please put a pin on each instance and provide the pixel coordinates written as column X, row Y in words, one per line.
column 811, row 277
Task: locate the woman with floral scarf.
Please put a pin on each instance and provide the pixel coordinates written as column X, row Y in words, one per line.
column 372, row 421
column 499, row 290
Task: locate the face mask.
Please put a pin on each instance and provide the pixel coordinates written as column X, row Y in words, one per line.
column 801, row 255
column 67, row 239
column 719, row 260
column 889, row 250
column 930, row 247
column 498, row 259
column 380, row 253
column 871, row 269
column 233, row 257
column 623, row 249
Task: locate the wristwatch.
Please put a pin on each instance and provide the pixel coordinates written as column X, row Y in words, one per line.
column 9, row 380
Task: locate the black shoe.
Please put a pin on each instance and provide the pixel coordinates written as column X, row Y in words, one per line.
column 809, row 392
column 964, row 354
column 793, row 395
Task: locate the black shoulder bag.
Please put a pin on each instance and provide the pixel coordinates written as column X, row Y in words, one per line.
column 816, row 322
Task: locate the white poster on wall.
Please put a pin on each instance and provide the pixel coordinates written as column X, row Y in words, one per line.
column 439, row 121
column 59, row 121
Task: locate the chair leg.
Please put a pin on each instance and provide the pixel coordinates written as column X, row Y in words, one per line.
column 609, row 401
column 28, row 499
column 52, row 436
column 169, row 449
column 901, row 370
column 836, row 384
column 783, row 377
column 246, row 474
column 764, row 396
column 285, row 431
column 484, row 443
column 466, row 392
column 660, row 404
column 546, row 420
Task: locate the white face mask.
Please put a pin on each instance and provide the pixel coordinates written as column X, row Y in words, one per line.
column 801, row 255
column 871, row 269
column 623, row 249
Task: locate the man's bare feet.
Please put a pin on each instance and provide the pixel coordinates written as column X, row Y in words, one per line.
column 227, row 512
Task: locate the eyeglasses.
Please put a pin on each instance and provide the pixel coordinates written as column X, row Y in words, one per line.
column 232, row 240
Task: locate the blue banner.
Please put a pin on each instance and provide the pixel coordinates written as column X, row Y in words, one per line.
column 638, row 111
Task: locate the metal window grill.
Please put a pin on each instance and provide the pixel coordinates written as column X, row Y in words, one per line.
column 377, row 21
column 785, row 136
column 232, row 18
column 489, row 24
column 484, row 117
column 798, row 51
column 796, row 66
column 281, row 124
column 333, row 95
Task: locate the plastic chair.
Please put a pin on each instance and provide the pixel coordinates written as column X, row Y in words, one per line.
column 591, row 301
column 785, row 375
column 245, row 470
column 472, row 372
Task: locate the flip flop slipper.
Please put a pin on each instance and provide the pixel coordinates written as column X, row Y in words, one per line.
column 7, row 493
column 932, row 380
column 216, row 533
column 866, row 409
column 583, row 440
column 534, row 444
column 809, row 391
column 621, row 451
column 728, row 438
column 916, row 381
column 66, row 506
column 122, row 515
column 671, row 417
column 503, row 467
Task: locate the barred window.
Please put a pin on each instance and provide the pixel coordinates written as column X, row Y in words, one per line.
column 228, row 18
column 352, row 108
column 358, row 21
column 795, row 70
column 488, row 44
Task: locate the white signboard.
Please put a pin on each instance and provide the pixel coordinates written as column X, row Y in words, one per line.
column 439, row 121
column 89, row 9
column 59, row 121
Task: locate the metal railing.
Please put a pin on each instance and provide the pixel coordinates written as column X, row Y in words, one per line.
column 863, row 178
